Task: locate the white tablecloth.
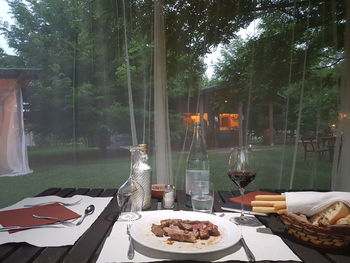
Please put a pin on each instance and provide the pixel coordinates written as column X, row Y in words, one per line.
column 56, row 236
column 264, row 245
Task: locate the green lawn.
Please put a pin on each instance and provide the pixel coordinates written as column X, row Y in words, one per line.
column 88, row 168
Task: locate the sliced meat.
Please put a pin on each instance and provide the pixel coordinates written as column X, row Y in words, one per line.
column 181, row 235
column 165, row 223
column 185, row 230
column 203, row 234
column 196, row 233
column 192, row 222
column 157, row 230
column 213, row 230
column 168, row 222
column 170, row 229
column 186, row 226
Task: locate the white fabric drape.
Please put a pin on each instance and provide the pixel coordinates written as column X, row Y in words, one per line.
column 161, row 117
column 341, row 164
column 13, row 152
column 128, row 74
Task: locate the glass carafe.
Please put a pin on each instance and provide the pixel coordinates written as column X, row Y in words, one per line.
column 130, row 194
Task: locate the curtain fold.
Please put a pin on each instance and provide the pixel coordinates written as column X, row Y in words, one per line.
column 161, row 117
column 341, row 164
column 13, row 151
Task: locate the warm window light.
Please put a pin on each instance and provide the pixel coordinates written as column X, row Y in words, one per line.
column 343, row 116
column 195, row 118
column 226, row 101
column 228, row 121
column 205, row 116
column 191, row 118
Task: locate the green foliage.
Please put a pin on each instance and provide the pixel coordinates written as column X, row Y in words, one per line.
column 9, row 61
column 320, row 103
column 188, row 78
column 272, row 62
column 80, row 47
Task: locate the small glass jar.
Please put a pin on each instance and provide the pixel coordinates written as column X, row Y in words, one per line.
column 169, row 197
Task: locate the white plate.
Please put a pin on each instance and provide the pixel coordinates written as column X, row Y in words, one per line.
column 141, row 233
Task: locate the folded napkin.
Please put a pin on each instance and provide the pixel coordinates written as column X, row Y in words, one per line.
column 247, row 198
column 310, row 203
column 263, row 243
column 24, row 216
column 55, row 235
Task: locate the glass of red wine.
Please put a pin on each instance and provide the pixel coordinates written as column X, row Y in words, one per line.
column 242, row 172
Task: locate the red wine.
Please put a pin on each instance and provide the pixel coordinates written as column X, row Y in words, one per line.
column 242, row 179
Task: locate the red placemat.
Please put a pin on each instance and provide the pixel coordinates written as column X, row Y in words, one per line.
column 24, row 216
column 247, row 198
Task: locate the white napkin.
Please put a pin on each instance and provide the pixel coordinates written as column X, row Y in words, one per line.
column 56, row 236
column 261, row 241
column 310, row 203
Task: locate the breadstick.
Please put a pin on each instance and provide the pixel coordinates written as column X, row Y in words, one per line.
column 267, row 203
column 270, row 197
column 280, row 205
column 281, row 211
column 264, row 209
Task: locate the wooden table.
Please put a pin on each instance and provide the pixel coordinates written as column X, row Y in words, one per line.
column 87, row 248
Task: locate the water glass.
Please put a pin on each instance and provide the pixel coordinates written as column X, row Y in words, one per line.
column 202, row 197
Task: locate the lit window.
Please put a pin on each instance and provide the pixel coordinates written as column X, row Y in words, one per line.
column 229, row 121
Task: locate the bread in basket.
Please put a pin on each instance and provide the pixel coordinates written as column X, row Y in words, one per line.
column 328, row 229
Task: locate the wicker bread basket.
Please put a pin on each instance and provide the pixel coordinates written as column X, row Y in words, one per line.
column 333, row 237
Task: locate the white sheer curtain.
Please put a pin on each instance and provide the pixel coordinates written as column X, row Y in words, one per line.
column 161, row 117
column 13, row 152
column 341, row 164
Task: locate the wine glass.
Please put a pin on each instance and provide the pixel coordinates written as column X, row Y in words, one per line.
column 242, row 172
column 130, row 198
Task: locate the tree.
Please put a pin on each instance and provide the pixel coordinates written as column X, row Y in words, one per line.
column 287, row 35
column 80, row 47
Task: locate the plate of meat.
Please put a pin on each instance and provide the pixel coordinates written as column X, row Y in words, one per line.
column 184, row 232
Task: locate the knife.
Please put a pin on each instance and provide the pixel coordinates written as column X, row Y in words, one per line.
column 248, row 252
column 7, row 228
column 245, row 211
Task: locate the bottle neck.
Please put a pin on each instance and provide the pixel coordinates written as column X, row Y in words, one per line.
column 198, row 139
column 143, row 156
column 198, row 155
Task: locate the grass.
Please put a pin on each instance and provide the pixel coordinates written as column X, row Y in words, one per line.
column 89, row 168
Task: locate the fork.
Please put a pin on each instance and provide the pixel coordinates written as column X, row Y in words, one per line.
column 53, row 202
column 131, row 251
column 64, row 222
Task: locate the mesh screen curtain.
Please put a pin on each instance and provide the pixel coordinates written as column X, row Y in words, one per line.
column 341, row 164
column 133, row 72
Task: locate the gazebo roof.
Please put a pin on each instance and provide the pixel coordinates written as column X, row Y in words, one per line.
column 19, row 73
